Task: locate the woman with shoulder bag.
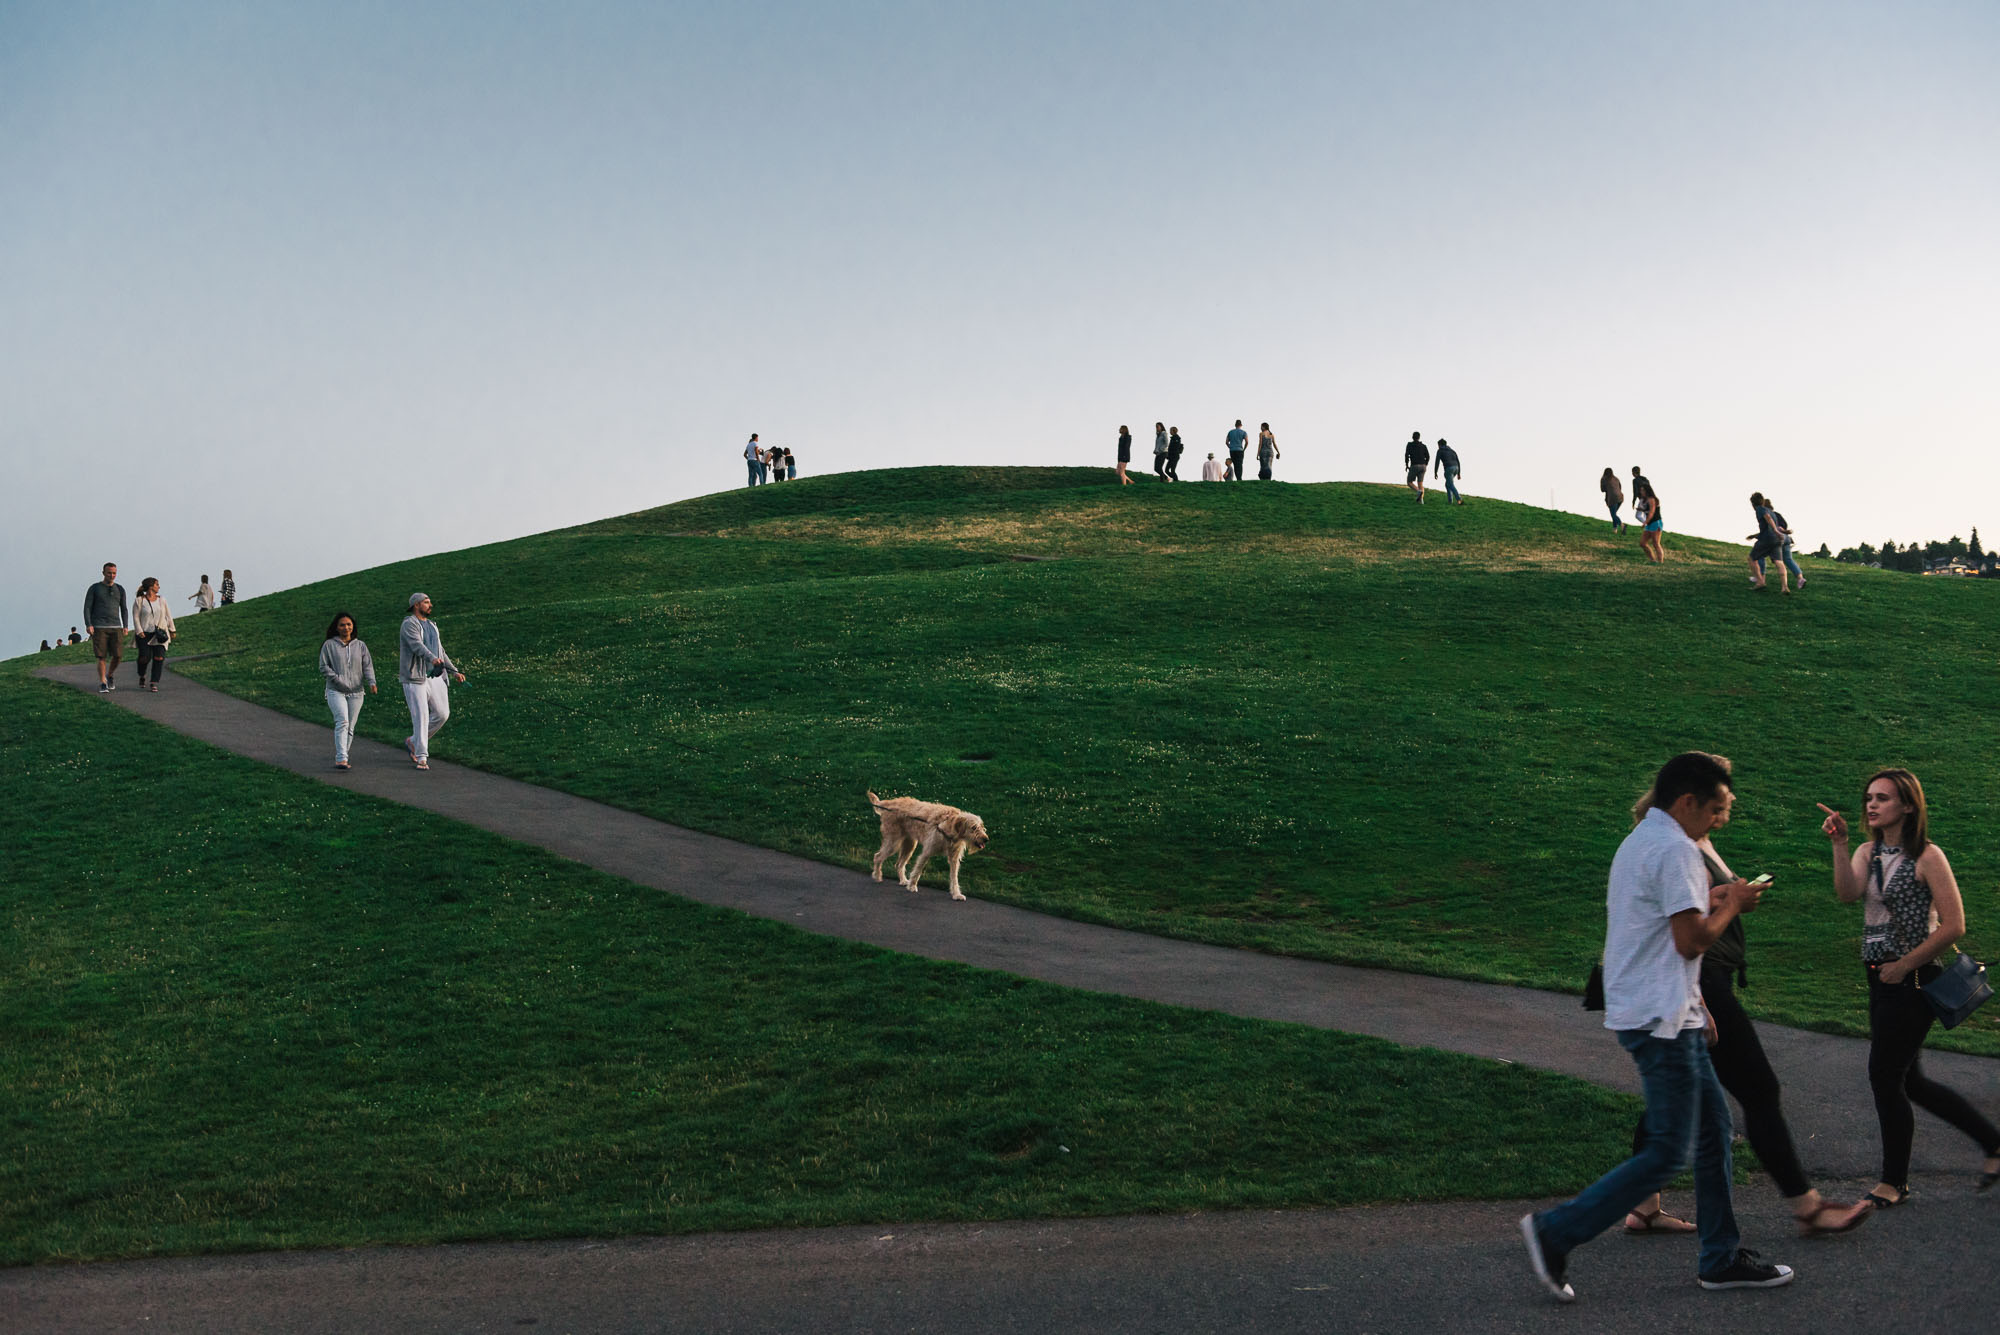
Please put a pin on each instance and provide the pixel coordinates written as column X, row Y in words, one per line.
column 1911, row 912
column 153, row 627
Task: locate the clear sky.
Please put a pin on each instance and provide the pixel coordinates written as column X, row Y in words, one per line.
column 300, row 288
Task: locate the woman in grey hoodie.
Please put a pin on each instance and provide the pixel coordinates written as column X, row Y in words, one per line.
column 345, row 663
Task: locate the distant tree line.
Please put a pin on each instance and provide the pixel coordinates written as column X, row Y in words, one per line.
column 1914, row 556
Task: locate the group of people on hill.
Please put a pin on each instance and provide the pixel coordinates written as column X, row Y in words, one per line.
column 1645, row 505
column 348, row 670
column 1417, row 460
column 1772, row 540
column 109, row 616
column 147, row 618
column 1167, row 450
column 768, row 463
column 1675, row 950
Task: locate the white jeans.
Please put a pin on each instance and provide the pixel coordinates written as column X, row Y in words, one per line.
column 346, row 713
column 430, row 706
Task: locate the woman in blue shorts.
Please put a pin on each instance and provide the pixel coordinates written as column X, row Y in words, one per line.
column 1650, row 537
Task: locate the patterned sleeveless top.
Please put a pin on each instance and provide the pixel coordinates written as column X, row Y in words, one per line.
column 1896, row 912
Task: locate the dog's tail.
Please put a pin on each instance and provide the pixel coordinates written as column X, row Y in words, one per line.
column 873, row 800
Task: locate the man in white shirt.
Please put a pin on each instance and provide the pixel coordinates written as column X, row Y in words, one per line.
column 1211, row 471
column 1661, row 915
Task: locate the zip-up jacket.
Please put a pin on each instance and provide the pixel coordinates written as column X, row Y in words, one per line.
column 420, row 648
column 346, row 667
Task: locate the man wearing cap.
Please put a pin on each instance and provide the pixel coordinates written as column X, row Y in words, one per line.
column 422, row 668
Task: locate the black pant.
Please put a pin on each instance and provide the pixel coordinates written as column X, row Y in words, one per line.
column 1899, row 1019
column 1160, row 466
column 1236, row 459
column 1174, row 462
column 1740, row 1064
column 150, row 655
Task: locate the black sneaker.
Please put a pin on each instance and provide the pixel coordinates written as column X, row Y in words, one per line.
column 104, row 688
column 1552, row 1271
column 1747, row 1272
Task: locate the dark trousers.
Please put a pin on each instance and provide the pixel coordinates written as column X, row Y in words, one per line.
column 1236, row 459
column 1263, row 469
column 1899, row 1019
column 1160, row 465
column 1174, row 461
column 1740, row 1064
column 151, row 656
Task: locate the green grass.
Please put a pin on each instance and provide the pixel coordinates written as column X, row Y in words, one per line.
column 243, row 1010
column 1319, row 720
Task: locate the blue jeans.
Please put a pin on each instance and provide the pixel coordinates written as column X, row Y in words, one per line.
column 1685, row 1109
column 1785, row 555
column 1451, row 484
column 754, row 465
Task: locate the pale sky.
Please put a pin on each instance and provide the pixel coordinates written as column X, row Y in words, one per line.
column 301, row 288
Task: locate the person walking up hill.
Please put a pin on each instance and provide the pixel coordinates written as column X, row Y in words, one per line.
column 1416, row 462
column 1124, row 455
column 1267, row 451
column 1174, row 450
column 422, row 668
column 1447, row 464
column 1614, row 497
column 1160, row 450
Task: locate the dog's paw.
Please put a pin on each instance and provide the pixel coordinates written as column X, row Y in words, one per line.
column 956, row 895
column 878, row 875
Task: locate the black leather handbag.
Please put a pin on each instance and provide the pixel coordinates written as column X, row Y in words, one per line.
column 1958, row 991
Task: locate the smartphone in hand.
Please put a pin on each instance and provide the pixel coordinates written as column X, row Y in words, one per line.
column 1762, row 881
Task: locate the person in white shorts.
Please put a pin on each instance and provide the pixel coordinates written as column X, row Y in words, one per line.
column 422, row 666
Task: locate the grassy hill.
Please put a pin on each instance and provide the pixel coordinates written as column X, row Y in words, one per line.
column 243, row 1010
column 1318, row 719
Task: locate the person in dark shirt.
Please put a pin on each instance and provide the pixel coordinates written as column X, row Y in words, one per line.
column 1174, row 449
column 1124, row 454
column 228, row 588
column 1447, row 465
column 1416, row 462
column 107, row 611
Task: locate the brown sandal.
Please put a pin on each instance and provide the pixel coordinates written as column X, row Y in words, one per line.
column 1851, row 1217
column 1657, row 1222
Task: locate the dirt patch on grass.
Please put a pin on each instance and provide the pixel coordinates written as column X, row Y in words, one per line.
column 1059, row 529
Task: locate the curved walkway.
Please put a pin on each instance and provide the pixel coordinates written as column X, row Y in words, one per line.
column 1823, row 1075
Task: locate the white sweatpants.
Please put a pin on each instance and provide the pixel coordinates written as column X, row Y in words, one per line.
column 346, row 713
column 430, row 706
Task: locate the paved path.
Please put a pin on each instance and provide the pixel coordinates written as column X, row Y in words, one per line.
column 1825, row 1086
